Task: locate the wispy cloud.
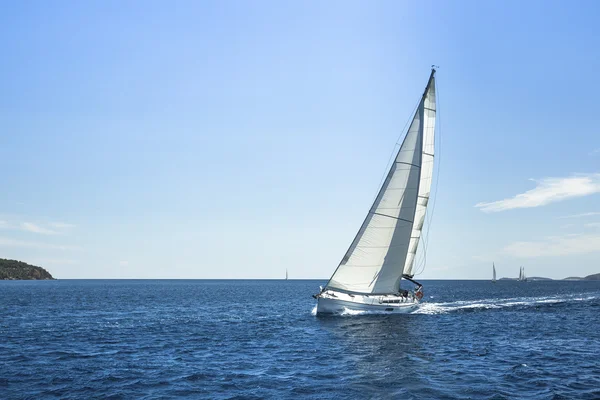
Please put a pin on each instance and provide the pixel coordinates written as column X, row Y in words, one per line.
column 439, row 268
column 61, row 225
column 567, row 226
column 593, row 225
column 595, row 152
column 25, row 224
column 123, row 263
column 548, row 190
column 54, row 261
column 587, row 214
column 31, row 227
column 555, row 246
column 8, row 242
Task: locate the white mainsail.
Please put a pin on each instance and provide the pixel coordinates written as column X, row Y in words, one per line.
column 493, row 273
column 385, row 246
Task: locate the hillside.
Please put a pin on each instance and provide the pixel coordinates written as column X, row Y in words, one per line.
column 18, row 270
column 593, row 277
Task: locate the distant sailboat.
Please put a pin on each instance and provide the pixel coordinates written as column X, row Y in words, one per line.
column 522, row 277
column 383, row 251
column 286, row 274
column 493, row 273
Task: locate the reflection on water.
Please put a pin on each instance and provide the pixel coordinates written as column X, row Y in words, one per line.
column 380, row 349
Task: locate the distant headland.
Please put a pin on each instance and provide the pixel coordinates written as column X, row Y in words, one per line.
column 594, row 277
column 18, row 270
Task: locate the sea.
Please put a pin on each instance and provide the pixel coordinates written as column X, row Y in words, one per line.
column 261, row 339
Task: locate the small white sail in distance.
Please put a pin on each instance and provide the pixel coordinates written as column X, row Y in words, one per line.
column 385, row 246
column 493, row 272
column 521, row 273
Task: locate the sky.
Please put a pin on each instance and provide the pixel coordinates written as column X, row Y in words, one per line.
column 238, row 139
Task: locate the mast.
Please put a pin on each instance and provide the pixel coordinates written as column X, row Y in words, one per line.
column 384, row 248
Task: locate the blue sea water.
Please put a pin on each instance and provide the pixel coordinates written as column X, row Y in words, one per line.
column 123, row 339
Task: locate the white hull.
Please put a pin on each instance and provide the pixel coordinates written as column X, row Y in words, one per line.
column 337, row 303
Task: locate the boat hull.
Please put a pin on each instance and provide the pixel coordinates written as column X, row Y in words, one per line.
column 338, row 306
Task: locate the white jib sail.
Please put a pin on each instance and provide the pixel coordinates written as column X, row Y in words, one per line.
column 428, row 116
column 384, row 248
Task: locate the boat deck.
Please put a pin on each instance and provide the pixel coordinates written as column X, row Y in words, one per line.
column 331, row 302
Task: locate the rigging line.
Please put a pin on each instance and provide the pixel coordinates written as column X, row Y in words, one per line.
column 403, row 132
column 360, row 231
column 437, row 177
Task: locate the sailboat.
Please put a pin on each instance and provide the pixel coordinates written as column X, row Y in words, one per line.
column 522, row 277
column 383, row 252
column 493, row 273
column 286, row 274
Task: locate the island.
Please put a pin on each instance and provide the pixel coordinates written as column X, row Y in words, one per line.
column 593, row 277
column 18, row 270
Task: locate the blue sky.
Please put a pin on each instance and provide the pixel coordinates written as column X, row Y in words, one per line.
column 218, row 139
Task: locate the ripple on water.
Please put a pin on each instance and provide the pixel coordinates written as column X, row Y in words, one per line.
column 156, row 339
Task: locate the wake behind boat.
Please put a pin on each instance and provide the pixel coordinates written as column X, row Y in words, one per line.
column 383, row 252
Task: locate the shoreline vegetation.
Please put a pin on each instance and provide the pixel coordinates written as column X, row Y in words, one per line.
column 18, row 270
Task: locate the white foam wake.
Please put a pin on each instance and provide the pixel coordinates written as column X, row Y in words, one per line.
column 442, row 308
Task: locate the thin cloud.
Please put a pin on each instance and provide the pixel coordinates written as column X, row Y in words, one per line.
column 595, row 152
column 31, row 227
column 441, row 268
column 567, row 226
column 54, row 261
column 548, row 190
column 587, row 214
column 61, row 225
column 555, row 246
column 25, row 224
column 8, row 242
